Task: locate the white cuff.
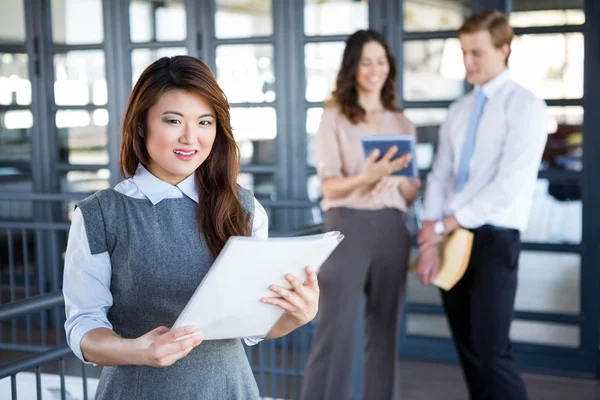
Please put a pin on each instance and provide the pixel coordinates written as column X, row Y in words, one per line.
column 254, row 340
column 79, row 331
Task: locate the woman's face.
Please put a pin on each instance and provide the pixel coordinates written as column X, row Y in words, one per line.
column 373, row 68
column 181, row 130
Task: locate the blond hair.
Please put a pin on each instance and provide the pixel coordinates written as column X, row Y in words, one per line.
column 496, row 23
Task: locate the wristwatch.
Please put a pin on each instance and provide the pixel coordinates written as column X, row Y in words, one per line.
column 439, row 228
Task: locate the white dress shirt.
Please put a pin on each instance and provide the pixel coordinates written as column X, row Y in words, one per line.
column 87, row 277
column 511, row 137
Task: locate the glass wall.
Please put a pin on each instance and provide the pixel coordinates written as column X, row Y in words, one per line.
column 80, row 94
column 16, row 117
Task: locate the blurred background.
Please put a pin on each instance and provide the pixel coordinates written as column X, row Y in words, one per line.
column 67, row 67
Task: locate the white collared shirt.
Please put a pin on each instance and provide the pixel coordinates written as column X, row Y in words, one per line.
column 511, row 137
column 87, row 276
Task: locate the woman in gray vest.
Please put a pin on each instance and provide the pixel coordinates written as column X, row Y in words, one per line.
column 137, row 252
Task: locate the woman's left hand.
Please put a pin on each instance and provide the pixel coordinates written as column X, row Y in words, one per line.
column 301, row 302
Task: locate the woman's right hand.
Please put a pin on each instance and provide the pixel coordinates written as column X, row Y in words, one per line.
column 158, row 347
column 375, row 170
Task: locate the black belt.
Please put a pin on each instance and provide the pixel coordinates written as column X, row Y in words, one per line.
column 493, row 228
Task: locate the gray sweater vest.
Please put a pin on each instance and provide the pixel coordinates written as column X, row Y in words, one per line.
column 158, row 259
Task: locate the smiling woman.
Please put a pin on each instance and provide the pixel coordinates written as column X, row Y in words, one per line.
column 362, row 200
column 177, row 133
column 137, row 252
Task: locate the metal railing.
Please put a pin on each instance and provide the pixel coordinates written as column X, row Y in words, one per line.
column 36, row 362
column 278, row 364
column 30, row 268
column 33, row 234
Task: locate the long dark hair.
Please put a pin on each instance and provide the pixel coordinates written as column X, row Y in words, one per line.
column 346, row 94
column 221, row 213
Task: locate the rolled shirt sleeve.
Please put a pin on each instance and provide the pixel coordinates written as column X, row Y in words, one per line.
column 86, row 286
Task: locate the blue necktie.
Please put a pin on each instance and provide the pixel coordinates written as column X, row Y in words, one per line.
column 469, row 146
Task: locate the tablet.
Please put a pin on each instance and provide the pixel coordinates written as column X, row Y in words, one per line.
column 404, row 143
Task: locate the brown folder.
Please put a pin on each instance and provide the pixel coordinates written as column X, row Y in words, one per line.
column 455, row 253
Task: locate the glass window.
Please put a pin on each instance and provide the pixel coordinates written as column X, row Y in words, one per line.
column 254, row 130
column 142, row 58
column 335, row 17
column 15, row 138
column 157, row 21
column 84, row 181
column 68, row 26
column 543, row 333
column 322, row 63
column 15, row 87
column 556, row 212
column 427, row 122
column 80, row 78
column 313, row 119
column 12, row 22
column 433, row 70
column 263, row 185
column 315, row 193
column 550, row 65
column 550, row 282
column 564, row 149
column 243, row 18
column 82, row 136
column 245, row 72
column 560, row 12
column 427, row 15
column 314, row 188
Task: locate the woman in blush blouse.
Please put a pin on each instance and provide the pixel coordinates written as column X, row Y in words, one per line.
column 137, row 252
column 368, row 205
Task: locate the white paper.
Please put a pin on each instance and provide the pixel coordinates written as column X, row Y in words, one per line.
column 227, row 303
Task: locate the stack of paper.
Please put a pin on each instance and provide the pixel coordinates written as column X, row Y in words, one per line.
column 227, row 303
column 455, row 253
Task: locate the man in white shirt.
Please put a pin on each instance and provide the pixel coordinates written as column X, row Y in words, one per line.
column 482, row 179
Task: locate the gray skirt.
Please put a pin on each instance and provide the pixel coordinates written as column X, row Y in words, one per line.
column 217, row 369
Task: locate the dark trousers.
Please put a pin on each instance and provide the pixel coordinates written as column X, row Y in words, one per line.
column 480, row 310
column 373, row 260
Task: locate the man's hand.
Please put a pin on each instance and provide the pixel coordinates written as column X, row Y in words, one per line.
column 429, row 265
column 451, row 224
column 427, row 237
